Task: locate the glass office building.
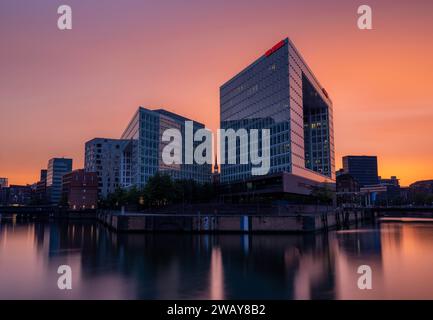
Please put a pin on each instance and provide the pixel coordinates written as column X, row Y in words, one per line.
column 362, row 168
column 279, row 92
column 142, row 153
column 57, row 167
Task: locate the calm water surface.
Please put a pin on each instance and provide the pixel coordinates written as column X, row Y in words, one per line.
column 107, row 265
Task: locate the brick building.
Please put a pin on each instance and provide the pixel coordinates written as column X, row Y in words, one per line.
column 80, row 190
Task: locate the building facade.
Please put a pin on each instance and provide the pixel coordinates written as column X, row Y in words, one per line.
column 362, row 168
column 103, row 157
column 4, row 196
column 4, row 183
column 279, row 92
column 57, row 167
column 19, row 195
column 142, row 154
column 391, row 181
column 40, row 194
column 421, row 192
column 80, row 189
column 348, row 190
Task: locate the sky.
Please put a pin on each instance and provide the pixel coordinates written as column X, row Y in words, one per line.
column 59, row 89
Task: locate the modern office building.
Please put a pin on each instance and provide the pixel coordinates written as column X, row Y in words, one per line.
column 279, row 92
column 57, row 167
column 103, row 157
column 362, row 168
column 40, row 194
column 142, row 154
column 80, row 189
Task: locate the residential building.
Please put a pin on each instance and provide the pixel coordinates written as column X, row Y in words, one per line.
column 80, row 189
column 103, row 157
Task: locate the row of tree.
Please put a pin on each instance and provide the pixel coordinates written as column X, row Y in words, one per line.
column 161, row 190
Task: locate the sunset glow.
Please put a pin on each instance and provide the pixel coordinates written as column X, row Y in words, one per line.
column 60, row 89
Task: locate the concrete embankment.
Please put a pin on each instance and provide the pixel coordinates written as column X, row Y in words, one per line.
column 139, row 222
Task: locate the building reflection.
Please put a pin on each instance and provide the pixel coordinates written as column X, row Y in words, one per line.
column 170, row 266
column 224, row 266
column 355, row 248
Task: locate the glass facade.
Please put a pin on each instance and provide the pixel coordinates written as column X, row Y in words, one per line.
column 57, row 167
column 279, row 92
column 141, row 156
column 362, row 168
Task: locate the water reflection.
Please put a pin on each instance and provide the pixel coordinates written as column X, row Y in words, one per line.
column 107, row 265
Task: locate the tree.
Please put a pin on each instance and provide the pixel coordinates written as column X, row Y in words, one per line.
column 323, row 194
column 159, row 190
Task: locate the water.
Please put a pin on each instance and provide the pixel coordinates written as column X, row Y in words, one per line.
column 107, row 265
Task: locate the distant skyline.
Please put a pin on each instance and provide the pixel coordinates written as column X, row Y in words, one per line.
column 59, row 89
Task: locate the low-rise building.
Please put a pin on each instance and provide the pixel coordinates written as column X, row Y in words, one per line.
column 391, row 181
column 4, row 196
column 19, row 195
column 40, row 194
column 421, row 192
column 80, row 190
column 347, row 189
column 4, row 183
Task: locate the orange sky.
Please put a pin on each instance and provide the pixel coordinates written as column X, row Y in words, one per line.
column 59, row 89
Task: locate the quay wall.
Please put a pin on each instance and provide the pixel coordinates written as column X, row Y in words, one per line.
column 138, row 222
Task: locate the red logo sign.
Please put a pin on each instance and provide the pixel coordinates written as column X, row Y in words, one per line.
column 325, row 93
column 275, row 48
